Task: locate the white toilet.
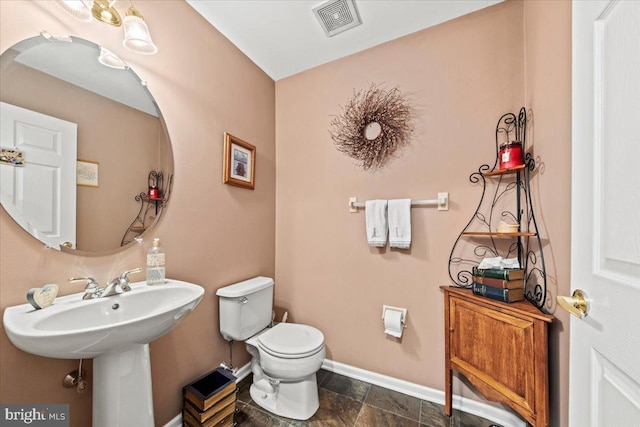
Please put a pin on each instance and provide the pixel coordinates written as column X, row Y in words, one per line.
column 286, row 357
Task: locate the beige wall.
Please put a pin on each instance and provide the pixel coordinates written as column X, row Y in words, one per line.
column 213, row 234
column 126, row 143
column 461, row 76
column 547, row 27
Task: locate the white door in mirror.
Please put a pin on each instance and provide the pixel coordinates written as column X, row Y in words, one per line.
column 41, row 195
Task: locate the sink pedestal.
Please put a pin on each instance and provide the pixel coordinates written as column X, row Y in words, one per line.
column 122, row 394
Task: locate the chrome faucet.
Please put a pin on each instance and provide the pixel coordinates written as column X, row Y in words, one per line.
column 114, row 287
column 92, row 290
column 119, row 284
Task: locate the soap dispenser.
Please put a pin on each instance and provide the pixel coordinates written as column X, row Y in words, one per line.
column 155, row 264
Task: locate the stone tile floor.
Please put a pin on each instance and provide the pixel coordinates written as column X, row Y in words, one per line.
column 352, row 403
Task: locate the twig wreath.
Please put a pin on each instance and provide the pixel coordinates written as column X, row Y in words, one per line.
column 374, row 125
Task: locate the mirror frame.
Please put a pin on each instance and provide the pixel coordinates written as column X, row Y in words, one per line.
column 168, row 159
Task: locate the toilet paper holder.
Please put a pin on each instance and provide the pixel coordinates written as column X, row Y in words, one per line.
column 403, row 314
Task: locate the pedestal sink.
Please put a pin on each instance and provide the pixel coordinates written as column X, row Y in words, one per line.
column 116, row 332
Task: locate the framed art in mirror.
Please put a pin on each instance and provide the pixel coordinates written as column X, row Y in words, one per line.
column 239, row 162
column 87, row 173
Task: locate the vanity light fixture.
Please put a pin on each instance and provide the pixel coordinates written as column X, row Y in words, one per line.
column 136, row 32
column 110, row 59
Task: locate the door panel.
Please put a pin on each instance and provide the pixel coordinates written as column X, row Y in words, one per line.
column 511, row 343
column 615, row 393
column 617, row 109
column 605, row 218
column 44, row 189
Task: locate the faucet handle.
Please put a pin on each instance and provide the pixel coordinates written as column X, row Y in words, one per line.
column 124, row 278
column 91, row 283
column 92, row 290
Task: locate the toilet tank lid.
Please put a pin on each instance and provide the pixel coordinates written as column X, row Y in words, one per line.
column 246, row 287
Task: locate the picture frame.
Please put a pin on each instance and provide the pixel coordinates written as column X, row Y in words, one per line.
column 239, row 162
column 87, row 173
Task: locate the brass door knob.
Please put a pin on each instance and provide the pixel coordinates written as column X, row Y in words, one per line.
column 576, row 304
column 67, row 244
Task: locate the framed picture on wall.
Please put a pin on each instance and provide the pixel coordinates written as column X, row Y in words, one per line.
column 87, row 173
column 239, row 162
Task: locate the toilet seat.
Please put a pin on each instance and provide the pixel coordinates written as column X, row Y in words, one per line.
column 291, row 341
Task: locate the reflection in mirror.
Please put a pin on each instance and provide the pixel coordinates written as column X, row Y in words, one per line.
column 90, row 133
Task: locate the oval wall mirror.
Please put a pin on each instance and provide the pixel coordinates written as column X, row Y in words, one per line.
column 86, row 163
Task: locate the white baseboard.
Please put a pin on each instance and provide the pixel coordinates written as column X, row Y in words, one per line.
column 175, row 421
column 242, row 372
column 486, row 410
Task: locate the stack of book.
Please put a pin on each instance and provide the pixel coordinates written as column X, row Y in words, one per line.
column 506, row 285
column 210, row 400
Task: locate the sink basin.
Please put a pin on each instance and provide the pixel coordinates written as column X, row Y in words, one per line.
column 116, row 332
column 73, row 328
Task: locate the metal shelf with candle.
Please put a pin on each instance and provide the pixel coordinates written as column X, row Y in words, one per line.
column 151, row 205
column 508, row 178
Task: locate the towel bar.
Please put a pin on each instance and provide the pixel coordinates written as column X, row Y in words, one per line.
column 442, row 202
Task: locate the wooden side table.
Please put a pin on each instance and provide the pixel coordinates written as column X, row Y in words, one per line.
column 502, row 349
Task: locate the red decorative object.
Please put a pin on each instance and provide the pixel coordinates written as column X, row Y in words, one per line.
column 154, row 193
column 510, row 155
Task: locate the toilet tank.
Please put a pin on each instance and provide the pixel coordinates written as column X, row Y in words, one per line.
column 245, row 308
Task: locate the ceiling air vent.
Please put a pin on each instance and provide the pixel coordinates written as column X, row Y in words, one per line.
column 336, row 16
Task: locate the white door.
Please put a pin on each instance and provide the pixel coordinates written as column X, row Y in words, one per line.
column 605, row 243
column 41, row 195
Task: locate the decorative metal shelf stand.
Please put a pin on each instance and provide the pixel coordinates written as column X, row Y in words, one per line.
column 480, row 238
column 151, row 206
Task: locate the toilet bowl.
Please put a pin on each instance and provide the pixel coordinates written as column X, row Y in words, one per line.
column 285, row 357
column 289, row 351
column 284, row 365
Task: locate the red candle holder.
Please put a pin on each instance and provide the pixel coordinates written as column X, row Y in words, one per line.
column 154, row 193
column 510, row 155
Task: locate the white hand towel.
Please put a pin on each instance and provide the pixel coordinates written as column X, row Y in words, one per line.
column 376, row 218
column 400, row 223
